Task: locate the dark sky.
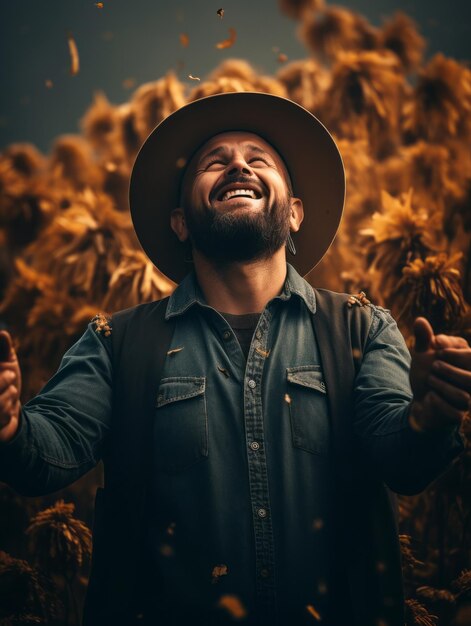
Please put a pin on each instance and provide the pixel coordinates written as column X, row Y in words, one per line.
column 139, row 40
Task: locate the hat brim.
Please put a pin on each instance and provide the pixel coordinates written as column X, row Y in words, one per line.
column 309, row 151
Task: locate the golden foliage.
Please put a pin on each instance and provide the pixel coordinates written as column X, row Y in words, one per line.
column 306, row 82
column 298, row 8
column 399, row 35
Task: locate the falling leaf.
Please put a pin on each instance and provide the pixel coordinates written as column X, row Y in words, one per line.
column 228, row 43
column 49, row 84
column 218, row 571
column 128, row 83
column 233, row 605
column 317, row 523
column 322, row 587
column 166, row 550
column 99, row 5
column 313, row 612
column 181, row 162
column 74, row 55
column 171, row 528
column 282, row 58
column 220, row 12
column 193, row 77
column 184, row 40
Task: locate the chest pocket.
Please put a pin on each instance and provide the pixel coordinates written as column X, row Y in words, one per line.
column 181, row 423
column 307, row 402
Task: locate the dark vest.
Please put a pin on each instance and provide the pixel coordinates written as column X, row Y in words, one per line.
column 368, row 546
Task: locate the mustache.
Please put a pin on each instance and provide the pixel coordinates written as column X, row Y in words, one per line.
column 237, row 179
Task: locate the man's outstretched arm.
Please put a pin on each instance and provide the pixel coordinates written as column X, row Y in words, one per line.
column 389, row 389
column 57, row 436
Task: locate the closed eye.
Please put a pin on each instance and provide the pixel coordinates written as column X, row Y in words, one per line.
column 258, row 159
column 214, row 162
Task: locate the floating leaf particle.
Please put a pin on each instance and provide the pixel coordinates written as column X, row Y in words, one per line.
column 129, row 83
column 317, row 523
column 313, row 612
column 218, row 571
column 49, row 84
column 181, row 162
column 74, row 55
column 282, row 57
column 99, row 5
column 228, row 43
column 233, row 605
column 220, row 12
column 193, row 77
column 184, row 40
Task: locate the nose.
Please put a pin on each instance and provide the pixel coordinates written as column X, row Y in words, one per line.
column 238, row 165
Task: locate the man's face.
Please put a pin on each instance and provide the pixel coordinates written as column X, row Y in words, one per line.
column 236, row 199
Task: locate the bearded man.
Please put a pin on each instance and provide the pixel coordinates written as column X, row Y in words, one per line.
column 253, row 429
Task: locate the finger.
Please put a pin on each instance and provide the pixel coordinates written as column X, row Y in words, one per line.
column 440, row 412
column 6, row 378
column 455, row 375
column 453, row 395
column 456, row 356
column 423, row 334
column 449, row 341
column 6, row 347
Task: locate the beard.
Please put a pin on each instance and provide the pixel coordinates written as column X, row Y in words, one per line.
column 234, row 236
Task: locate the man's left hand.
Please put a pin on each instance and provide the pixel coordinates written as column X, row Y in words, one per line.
column 440, row 379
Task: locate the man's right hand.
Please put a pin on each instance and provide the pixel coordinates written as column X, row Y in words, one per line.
column 10, row 388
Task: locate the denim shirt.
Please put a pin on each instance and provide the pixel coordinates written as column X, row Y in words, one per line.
column 241, row 490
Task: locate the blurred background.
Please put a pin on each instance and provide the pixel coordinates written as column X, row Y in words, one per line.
column 83, row 84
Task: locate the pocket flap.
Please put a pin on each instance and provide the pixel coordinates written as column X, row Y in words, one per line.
column 307, row 376
column 180, row 388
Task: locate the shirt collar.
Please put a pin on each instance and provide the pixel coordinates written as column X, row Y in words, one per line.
column 189, row 292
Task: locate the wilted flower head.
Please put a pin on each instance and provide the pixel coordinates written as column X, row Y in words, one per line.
column 101, row 127
column 441, row 106
column 134, row 281
column 418, row 615
column 25, row 595
column 399, row 35
column 72, row 161
column 153, row 102
column 335, row 30
column 24, row 158
column 364, row 99
column 432, row 288
column 306, row 82
column 297, row 8
column 60, row 541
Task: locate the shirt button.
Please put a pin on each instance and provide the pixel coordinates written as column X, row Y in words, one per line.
column 262, row 512
column 255, row 445
column 252, row 384
column 264, row 572
column 227, row 334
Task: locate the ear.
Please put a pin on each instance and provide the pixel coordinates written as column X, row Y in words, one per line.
column 178, row 224
column 296, row 214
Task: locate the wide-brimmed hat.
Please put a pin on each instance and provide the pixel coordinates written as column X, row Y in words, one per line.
column 307, row 148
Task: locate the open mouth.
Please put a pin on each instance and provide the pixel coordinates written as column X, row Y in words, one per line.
column 228, row 194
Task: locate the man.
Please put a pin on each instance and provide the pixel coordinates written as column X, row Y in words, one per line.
column 245, row 475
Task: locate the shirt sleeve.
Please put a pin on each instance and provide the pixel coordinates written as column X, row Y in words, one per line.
column 63, row 428
column 406, row 460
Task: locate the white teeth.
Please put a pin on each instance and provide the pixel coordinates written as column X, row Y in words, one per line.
column 239, row 192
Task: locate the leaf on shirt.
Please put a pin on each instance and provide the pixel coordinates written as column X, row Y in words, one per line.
column 220, row 12
column 218, row 571
column 287, row 398
column 228, row 43
column 102, row 324
column 233, row 605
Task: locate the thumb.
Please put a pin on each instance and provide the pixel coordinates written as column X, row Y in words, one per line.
column 7, row 352
column 423, row 334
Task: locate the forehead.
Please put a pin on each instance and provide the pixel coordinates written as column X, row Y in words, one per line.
column 237, row 139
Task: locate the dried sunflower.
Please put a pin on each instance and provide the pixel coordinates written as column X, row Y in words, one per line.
column 399, row 35
column 101, row 127
column 153, row 102
column 72, row 161
column 298, row 8
column 239, row 69
column 60, row 542
column 306, row 82
column 441, row 104
column 364, row 100
column 135, row 280
column 335, row 30
column 399, row 234
column 431, row 287
column 417, row 614
column 26, row 595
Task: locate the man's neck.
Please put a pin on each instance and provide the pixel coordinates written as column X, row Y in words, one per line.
column 241, row 288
